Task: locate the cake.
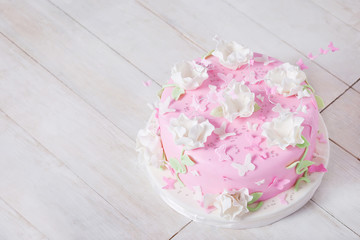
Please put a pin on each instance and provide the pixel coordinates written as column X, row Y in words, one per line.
column 234, row 127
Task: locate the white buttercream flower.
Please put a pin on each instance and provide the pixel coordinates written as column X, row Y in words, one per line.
column 192, row 133
column 284, row 130
column 188, row 75
column 148, row 143
column 234, row 203
column 231, row 54
column 286, row 78
column 238, row 101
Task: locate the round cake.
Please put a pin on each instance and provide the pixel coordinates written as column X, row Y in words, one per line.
column 234, row 127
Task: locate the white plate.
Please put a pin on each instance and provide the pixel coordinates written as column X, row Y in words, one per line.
column 182, row 199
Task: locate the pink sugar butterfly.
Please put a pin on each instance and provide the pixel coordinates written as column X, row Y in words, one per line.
column 245, row 167
column 282, row 198
column 317, row 168
column 323, row 52
column 332, row 48
column 147, row 83
column 301, row 64
column 279, row 183
column 199, row 104
column 221, row 152
column 311, row 56
column 169, row 183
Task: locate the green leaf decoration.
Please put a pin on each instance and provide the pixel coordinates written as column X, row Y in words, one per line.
column 181, row 182
column 255, row 208
column 292, row 165
column 186, row 160
column 304, row 179
column 208, row 54
column 305, row 144
column 256, row 107
column 320, row 102
column 298, row 169
column 177, row 92
column 217, row 112
column 309, row 87
column 177, row 166
column 160, row 92
column 256, row 196
column 303, row 166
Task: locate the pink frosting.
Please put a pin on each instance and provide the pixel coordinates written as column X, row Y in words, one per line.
column 271, row 162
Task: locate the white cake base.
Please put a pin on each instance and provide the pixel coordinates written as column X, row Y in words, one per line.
column 182, row 199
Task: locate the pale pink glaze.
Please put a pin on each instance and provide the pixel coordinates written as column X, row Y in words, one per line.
column 215, row 175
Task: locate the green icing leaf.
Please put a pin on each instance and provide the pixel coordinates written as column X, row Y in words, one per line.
column 292, row 165
column 255, row 208
column 305, row 144
column 181, row 182
column 177, row 166
column 320, row 102
column 308, row 86
column 256, row 107
column 256, row 196
column 208, row 54
column 177, row 92
column 303, row 166
column 298, row 169
column 160, row 92
column 186, row 160
column 305, row 179
column 217, row 112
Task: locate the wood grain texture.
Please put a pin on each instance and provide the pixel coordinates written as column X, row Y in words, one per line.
column 72, row 99
column 309, row 33
column 347, row 11
column 308, row 223
column 92, row 147
column 357, row 86
column 50, row 196
column 14, row 226
column 139, row 36
column 342, row 119
column 78, row 59
column 185, row 17
column 339, row 193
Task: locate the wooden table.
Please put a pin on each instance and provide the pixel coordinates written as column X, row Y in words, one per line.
column 72, row 98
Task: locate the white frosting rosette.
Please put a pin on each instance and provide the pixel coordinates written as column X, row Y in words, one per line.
column 238, row 101
column 231, row 54
column 148, row 143
column 286, row 78
column 188, row 75
column 233, row 204
column 192, row 133
column 284, row 130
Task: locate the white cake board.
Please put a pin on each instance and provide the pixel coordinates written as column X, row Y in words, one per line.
column 181, row 199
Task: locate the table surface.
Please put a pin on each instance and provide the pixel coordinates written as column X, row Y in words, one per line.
column 73, row 97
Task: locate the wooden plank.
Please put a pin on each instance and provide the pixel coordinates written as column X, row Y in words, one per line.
column 338, row 194
column 57, row 202
column 232, row 25
column 357, row 87
column 309, row 33
column 92, row 147
column 136, row 34
column 342, row 119
column 13, row 226
column 90, row 68
column 347, row 11
column 308, row 223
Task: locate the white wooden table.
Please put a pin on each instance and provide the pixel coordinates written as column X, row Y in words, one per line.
column 72, row 99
